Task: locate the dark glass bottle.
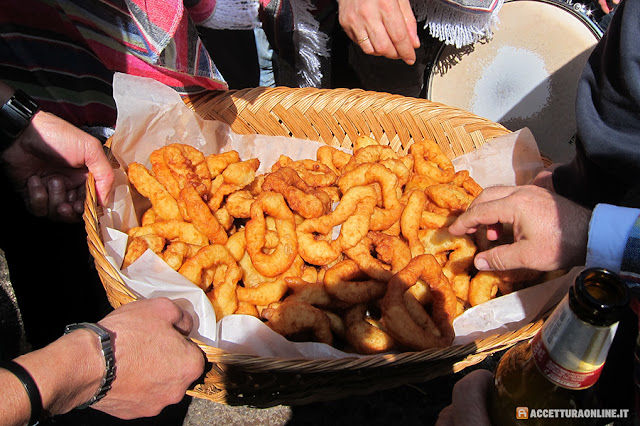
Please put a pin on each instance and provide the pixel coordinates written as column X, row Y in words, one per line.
column 556, row 369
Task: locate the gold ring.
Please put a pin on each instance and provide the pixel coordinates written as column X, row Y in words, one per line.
column 363, row 40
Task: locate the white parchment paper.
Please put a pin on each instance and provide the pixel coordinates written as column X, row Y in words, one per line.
column 152, row 115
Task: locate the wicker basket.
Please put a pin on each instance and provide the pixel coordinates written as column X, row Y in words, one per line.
column 335, row 117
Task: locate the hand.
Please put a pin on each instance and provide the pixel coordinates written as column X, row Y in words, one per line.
column 550, row 232
column 155, row 365
column 544, row 179
column 605, row 5
column 469, row 398
column 388, row 28
column 48, row 163
column 155, row 362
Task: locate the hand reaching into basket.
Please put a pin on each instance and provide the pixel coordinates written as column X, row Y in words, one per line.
column 381, row 28
column 48, row 164
column 154, row 366
column 549, row 231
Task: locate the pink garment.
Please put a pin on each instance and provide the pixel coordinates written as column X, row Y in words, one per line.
column 149, row 38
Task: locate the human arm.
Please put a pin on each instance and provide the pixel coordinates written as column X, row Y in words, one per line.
column 469, row 401
column 48, row 163
column 550, row 231
column 389, row 27
column 609, row 231
column 607, row 161
column 155, row 365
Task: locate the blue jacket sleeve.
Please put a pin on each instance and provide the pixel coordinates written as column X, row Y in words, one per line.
column 609, row 230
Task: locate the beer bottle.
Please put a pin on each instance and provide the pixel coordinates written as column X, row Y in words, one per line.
column 553, row 372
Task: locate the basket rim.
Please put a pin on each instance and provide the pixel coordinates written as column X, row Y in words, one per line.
column 118, row 294
column 487, row 344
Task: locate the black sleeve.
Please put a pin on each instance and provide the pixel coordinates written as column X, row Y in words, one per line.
column 606, row 168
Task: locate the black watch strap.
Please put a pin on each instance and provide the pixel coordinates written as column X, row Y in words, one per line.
column 15, row 116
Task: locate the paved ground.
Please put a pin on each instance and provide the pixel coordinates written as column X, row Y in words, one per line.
column 416, row 404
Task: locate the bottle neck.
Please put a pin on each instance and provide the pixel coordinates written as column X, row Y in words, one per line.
column 569, row 351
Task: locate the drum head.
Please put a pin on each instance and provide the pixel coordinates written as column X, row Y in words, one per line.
column 525, row 76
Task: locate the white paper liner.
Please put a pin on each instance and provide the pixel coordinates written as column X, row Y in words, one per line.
column 152, row 115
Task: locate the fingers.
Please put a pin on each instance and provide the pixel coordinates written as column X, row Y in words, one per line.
column 604, row 5
column 156, row 363
column 377, row 41
column 544, row 179
column 501, row 258
column 381, row 28
column 488, row 208
column 37, row 197
column 494, row 231
column 54, row 197
column 470, row 398
column 180, row 319
column 184, row 324
column 50, row 198
column 445, row 418
column 401, row 29
column 411, row 23
column 57, row 195
column 75, row 199
column 99, row 165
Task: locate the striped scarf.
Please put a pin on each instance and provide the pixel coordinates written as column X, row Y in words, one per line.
column 64, row 52
column 152, row 38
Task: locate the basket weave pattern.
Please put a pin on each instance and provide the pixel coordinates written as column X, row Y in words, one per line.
column 335, row 117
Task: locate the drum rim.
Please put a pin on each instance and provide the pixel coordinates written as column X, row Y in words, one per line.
column 593, row 26
column 575, row 8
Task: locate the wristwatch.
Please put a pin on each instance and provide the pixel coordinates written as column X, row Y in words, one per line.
column 109, row 358
column 15, row 116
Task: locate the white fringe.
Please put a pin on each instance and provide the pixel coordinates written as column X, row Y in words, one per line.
column 310, row 42
column 234, row 15
column 455, row 26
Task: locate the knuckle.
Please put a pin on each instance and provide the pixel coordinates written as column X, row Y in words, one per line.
column 155, row 409
column 195, row 366
column 398, row 36
column 167, row 307
column 165, row 303
column 368, row 49
column 176, row 397
column 385, row 47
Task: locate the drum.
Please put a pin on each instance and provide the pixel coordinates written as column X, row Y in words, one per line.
column 526, row 75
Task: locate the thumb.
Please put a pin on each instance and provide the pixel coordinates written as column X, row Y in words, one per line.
column 103, row 187
column 100, row 167
column 500, row 258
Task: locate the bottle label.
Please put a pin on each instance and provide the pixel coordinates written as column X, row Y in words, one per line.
column 574, row 344
column 569, row 351
column 558, row 374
